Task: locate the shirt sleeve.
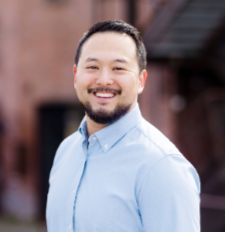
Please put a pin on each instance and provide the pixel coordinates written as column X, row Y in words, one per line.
column 169, row 197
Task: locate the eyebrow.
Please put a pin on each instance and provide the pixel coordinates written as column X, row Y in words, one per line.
column 120, row 61
column 89, row 59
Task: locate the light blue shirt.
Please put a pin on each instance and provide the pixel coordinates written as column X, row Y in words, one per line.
column 127, row 177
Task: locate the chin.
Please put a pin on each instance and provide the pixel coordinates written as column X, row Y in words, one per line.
column 102, row 115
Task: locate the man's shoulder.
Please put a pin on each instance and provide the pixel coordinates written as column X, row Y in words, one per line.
column 70, row 139
column 150, row 136
column 63, row 151
column 66, row 145
column 160, row 155
column 147, row 146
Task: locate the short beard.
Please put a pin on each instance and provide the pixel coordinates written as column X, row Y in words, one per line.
column 102, row 116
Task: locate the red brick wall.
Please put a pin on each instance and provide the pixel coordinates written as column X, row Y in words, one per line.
column 38, row 41
column 37, row 45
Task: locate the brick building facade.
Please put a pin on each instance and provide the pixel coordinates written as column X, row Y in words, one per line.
column 38, row 41
column 38, row 104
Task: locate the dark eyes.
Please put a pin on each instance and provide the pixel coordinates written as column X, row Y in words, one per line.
column 92, row 67
column 118, row 69
column 95, row 67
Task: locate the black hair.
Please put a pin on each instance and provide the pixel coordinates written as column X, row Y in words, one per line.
column 120, row 27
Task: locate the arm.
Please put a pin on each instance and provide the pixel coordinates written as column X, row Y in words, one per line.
column 169, row 197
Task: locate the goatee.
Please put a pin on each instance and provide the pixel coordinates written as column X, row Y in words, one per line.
column 103, row 116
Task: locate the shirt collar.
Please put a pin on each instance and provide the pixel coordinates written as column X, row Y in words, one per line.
column 109, row 135
column 83, row 128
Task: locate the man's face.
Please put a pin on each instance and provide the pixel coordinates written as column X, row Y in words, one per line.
column 107, row 78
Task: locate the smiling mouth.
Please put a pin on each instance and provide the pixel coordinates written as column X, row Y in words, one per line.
column 104, row 95
column 104, row 92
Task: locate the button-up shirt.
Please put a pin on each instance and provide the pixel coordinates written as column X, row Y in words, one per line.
column 127, row 177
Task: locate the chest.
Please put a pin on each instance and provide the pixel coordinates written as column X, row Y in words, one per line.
column 99, row 190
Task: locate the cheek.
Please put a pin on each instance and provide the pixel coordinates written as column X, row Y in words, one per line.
column 81, row 89
column 86, row 79
column 129, row 85
column 82, row 83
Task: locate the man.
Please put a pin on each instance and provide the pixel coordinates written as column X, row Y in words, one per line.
column 118, row 173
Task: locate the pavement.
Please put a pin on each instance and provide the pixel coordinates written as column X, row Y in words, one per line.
column 7, row 225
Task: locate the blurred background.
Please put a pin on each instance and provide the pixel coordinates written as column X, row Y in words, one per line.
column 184, row 95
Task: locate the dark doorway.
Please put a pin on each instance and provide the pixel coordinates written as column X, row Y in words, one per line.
column 56, row 121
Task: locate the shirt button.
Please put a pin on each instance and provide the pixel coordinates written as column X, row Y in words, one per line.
column 70, row 227
column 94, row 138
column 106, row 146
column 74, row 191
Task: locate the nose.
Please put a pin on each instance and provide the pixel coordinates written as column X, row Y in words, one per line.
column 104, row 78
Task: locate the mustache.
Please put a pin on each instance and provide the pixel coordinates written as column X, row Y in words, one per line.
column 101, row 89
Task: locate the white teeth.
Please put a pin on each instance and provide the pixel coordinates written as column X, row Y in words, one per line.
column 104, row 94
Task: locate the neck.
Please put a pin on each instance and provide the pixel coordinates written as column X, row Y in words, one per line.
column 93, row 127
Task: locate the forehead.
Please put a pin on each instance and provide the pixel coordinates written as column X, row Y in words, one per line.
column 112, row 43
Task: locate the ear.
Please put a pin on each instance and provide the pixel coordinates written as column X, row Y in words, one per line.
column 74, row 74
column 141, row 81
